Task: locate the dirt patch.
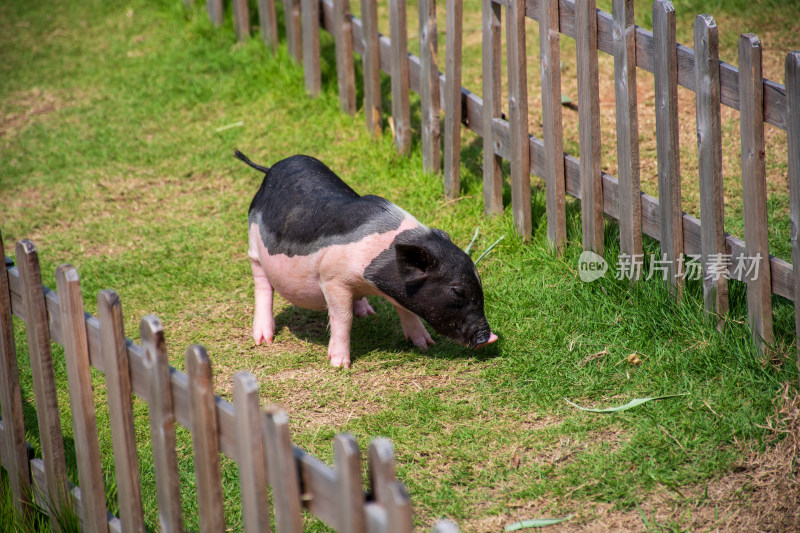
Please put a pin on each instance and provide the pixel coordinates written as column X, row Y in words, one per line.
column 21, row 109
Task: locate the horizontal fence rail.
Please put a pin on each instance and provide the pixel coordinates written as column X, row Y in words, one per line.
column 257, row 439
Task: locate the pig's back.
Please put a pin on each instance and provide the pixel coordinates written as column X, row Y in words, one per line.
column 302, row 207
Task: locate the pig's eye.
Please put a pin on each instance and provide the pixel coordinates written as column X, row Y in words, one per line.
column 459, row 293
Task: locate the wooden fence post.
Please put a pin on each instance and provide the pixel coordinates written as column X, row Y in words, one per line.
column 429, row 87
column 754, row 190
column 630, row 205
column 215, row 12
column 492, row 103
column 709, row 159
column 252, row 461
column 241, row 19
column 668, row 153
column 347, row 459
column 589, row 126
column 793, row 142
column 385, row 488
column 84, row 421
column 552, row 135
column 294, row 31
column 44, row 383
column 120, row 407
column 162, row 424
column 452, row 99
column 205, row 440
column 401, row 113
column 268, row 21
column 311, row 52
column 372, row 66
column 282, row 470
column 345, row 70
column 15, row 453
column 518, row 118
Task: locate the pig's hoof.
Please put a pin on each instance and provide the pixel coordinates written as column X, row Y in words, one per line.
column 421, row 340
column 263, row 335
column 339, row 360
column 361, row 308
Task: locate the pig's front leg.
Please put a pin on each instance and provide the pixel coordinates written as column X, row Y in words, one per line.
column 413, row 329
column 339, row 299
column 263, row 321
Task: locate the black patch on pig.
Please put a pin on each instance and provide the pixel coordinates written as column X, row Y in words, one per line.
column 433, row 278
column 302, row 207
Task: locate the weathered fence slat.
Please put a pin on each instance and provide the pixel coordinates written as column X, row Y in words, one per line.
column 492, row 102
column 44, row 384
column 347, row 459
column 452, row 99
column 385, row 488
column 792, row 80
column 518, row 118
column 268, row 21
column 14, row 452
column 281, row 471
column 294, row 28
column 668, row 153
column 345, row 70
column 311, row 56
column 215, row 13
column 401, row 112
column 552, row 135
column 429, row 87
column 371, row 59
column 241, row 19
column 205, row 440
column 120, row 408
column 709, row 163
column 162, row 424
column 252, row 460
column 630, row 206
column 589, row 126
column 84, row 420
column 754, row 190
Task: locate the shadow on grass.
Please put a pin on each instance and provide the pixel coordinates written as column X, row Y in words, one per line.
column 380, row 332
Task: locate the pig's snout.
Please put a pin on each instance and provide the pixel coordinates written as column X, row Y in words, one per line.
column 482, row 338
column 492, row 338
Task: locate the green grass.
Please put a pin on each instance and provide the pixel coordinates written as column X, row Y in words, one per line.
column 111, row 160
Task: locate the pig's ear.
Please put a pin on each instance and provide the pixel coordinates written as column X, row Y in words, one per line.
column 413, row 262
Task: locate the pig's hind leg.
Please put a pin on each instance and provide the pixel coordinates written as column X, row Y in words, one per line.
column 361, row 308
column 263, row 321
column 413, row 329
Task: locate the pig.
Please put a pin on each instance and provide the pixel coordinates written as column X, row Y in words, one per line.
column 319, row 244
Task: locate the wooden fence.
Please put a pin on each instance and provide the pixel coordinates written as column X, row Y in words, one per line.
column 257, row 439
column 714, row 82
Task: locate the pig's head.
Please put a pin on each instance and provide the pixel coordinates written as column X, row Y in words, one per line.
column 432, row 277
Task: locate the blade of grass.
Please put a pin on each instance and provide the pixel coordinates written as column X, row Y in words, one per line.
column 536, row 522
column 469, row 246
column 489, row 249
column 630, row 405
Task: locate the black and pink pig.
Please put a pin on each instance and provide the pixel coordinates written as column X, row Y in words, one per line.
column 322, row 246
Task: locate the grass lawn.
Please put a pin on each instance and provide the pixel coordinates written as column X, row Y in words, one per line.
column 118, row 121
